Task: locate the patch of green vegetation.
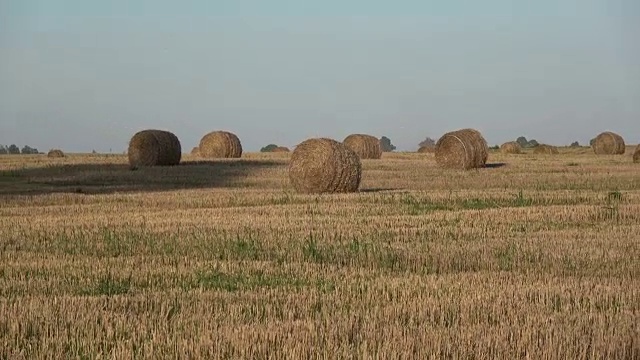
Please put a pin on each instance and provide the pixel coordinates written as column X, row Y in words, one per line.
column 9, row 175
column 521, row 201
column 312, row 252
column 614, row 196
column 357, row 246
column 478, row 204
column 216, row 279
column 241, row 248
column 283, row 199
column 505, row 256
column 416, row 206
column 108, row 285
column 390, row 260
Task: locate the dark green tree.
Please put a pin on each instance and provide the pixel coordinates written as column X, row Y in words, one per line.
column 427, row 142
column 386, row 145
column 3, row 150
column 28, row 150
column 575, row 144
column 532, row 143
column 13, row 149
column 269, row 148
column 522, row 141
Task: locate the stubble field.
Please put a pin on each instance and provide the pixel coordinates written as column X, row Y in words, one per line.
column 537, row 256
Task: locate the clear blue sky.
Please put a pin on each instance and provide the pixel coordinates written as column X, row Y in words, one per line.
column 82, row 75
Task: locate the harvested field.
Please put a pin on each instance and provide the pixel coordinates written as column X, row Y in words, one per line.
column 535, row 258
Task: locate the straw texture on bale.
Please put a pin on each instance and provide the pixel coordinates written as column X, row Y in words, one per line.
column 154, row 148
column 365, row 146
column 609, row 143
column 510, row 147
column 220, row 145
column 427, row 149
column 462, row 149
column 195, row 151
column 545, row 149
column 322, row 165
column 280, row 149
column 55, row 153
column 636, row 155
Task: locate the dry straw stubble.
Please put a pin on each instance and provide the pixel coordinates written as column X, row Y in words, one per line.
column 510, row 147
column 154, row 148
column 220, row 145
column 55, row 153
column 462, row 149
column 322, row 165
column 545, row 149
column 609, row 143
column 365, row 146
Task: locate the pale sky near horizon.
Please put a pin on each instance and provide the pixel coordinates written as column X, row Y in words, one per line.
column 83, row 75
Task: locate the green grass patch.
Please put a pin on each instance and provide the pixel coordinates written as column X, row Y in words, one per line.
column 215, row 279
column 108, row 285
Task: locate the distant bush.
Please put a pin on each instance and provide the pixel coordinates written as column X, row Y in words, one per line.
column 269, row 148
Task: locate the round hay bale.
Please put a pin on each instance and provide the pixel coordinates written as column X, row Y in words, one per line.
column 636, row 155
column 481, row 143
column 608, row 143
column 321, row 165
column 545, row 149
column 195, row 151
column 510, row 147
column 462, row 149
column 427, row 149
column 154, row 148
column 365, row 146
column 280, row 149
column 55, row 153
column 220, row 145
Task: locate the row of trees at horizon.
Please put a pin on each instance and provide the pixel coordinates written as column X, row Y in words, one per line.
column 13, row 149
column 385, row 143
column 522, row 141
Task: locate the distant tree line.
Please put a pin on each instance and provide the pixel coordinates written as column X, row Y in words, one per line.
column 385, row 144
column 522, row 141
column 13, row 149
column 268, row 148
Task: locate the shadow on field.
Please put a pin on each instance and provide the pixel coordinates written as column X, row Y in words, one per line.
column 94, row 178
column 375, row 190
column 495, row 165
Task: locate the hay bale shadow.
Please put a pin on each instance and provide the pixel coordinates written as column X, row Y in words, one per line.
column 106, row 178
column 495, row 165
column 376, row 190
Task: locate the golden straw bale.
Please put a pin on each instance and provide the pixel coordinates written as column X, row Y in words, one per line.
column 154, row 148
column 220, row 145
column 55, row 153
column 365, row 146
column 608, row 143
column 462, row 149
column 545, row 149
column 510, row 147
column 321, row 165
